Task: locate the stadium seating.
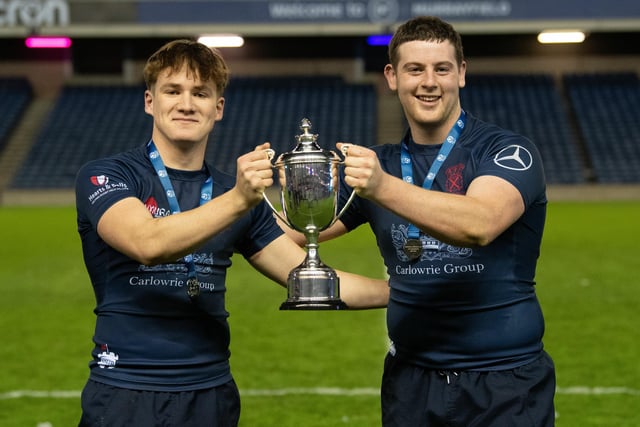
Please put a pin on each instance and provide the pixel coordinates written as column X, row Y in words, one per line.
column 92, row 121
column 15, row 95
column 530, row 105
column 87, row 122
column 271, row 109
column 606, row 107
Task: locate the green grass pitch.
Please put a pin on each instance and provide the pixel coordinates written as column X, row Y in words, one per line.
column 322, row 369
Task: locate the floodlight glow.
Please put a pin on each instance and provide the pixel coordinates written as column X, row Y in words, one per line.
column 41, row 42
column 561, row 37
column 379, row 39
column 221, row 40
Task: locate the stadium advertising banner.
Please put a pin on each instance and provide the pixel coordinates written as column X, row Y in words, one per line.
column 381, row 11
column 38, row 14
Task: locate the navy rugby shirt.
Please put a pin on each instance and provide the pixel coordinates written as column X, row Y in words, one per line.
column 149, row 335
column 455, row 307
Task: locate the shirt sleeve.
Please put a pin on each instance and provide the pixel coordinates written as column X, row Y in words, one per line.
column 263, row 230
column 99, row 185
column 517, row 160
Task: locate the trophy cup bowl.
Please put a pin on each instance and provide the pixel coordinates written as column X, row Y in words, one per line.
column 309, row 183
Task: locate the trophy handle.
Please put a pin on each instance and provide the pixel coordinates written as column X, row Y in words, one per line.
column 275, row 211
column 344, row 150
column 271, row 154
column 344, row 208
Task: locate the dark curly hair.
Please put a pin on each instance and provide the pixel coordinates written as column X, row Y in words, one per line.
column 427, row 28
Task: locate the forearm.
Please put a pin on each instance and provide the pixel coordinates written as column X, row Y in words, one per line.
column 360, row 292
column 128, row 227
column 447, row 217
column 474, row 219
column 189, row 230
column 294, row 235
column 336, row 230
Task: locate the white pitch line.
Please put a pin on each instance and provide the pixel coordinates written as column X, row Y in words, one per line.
column 323, row 391
column 47, row 394
column 597, row 390
column 320, row 391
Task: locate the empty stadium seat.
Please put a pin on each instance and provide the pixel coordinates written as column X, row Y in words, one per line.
column 260, row 109
column 530, row 105
column 606, row 106
column 87, row 122
column 90, row 122
column 15, row 95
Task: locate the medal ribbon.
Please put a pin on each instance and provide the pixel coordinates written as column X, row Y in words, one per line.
column 445, row 149
column 206, row 192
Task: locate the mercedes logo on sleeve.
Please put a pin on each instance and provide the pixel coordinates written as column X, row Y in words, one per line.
column 514, row 157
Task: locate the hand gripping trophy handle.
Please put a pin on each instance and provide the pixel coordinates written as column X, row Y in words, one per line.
column 309, row 192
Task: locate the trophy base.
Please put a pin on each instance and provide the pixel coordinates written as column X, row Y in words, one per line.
column 313, row 288
column 314, row 305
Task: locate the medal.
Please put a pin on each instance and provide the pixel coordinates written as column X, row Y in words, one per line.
column 412, row 249
column 206, row 194
column 193, row 287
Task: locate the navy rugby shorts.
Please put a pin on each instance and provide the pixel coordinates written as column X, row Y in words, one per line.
column 418, row 397
column 107, row 406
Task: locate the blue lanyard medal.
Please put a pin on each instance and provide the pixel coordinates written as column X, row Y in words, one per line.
column 413, row 245
column 193, row 286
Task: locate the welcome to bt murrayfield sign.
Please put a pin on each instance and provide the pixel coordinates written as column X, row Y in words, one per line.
column 381, row 10
column 102, row 16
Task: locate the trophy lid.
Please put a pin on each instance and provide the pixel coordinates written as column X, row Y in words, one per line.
column 307, row 148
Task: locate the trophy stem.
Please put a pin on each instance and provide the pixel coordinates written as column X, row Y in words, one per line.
column 312, row 259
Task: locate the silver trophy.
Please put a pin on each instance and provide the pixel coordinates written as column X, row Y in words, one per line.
column 309, row 181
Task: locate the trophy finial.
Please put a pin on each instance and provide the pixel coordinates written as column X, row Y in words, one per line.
column 305, row 125
column 307, row 139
